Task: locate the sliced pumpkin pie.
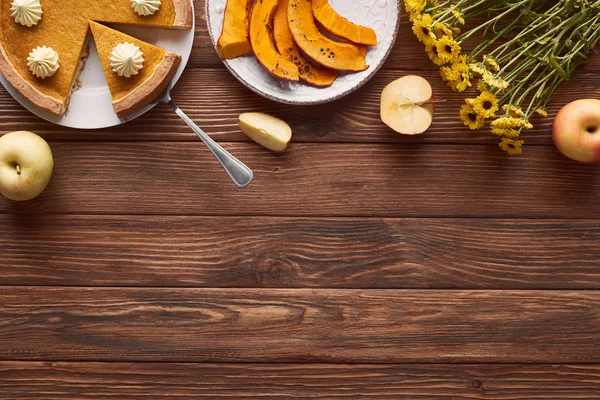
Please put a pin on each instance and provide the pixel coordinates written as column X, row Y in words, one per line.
column 41, row 41
column 136, row 71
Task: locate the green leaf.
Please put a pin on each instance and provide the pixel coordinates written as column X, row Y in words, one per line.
column 558, row 68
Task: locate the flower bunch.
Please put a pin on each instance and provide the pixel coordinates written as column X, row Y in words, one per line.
column 527, row 49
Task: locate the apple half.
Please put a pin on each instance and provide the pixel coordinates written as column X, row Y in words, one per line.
column 266, row 130
column 407, row 105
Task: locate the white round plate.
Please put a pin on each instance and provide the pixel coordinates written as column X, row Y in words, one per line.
column 90, row 107
column 381, row 15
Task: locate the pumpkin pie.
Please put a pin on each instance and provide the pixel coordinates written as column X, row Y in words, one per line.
column 63, row 27
column 129, row 94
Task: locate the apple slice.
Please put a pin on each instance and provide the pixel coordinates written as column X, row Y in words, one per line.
column 407, row 105
column 266, row 130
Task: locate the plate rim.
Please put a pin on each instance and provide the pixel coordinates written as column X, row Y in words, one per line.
column 343, row 94
column 34, row 109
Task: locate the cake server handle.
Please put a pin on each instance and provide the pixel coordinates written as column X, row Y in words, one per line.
column 239, row 173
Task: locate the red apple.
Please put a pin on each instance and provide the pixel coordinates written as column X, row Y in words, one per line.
column 407, row 105
column 576, row 130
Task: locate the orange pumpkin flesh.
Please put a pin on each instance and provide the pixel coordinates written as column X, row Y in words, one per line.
column 261, row 29
column 321, row 49
column 234, row 40
column 309, row 73
column 334, row 23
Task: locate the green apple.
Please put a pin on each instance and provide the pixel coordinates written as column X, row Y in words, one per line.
column 26, row 165
column 576, row 130
column 266, row 130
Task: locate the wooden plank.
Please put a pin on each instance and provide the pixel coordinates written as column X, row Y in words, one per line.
column 214, row 99
column 299, row 252
column 68, row 380
column 336, row 180
column 295, row 325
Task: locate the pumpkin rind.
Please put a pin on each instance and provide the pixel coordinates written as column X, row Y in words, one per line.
column 337, row 25
column 321, row 49
column 308, row 72
column 234, row 40
column 261, row 38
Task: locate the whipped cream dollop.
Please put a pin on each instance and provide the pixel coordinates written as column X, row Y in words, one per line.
column 145, row 7
column 126, row 59
column 43, row 62
column 26, row 12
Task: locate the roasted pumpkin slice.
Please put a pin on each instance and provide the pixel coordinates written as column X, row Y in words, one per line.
column 234, row 40
column 321, row 49
column 334, row 23
column 261, row 38
column 308, row 72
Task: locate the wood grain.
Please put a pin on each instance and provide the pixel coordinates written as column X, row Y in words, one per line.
column 311, row 264
column 68, row 380
column 336, row 180
column 213, row 98
column 299, row 252
column 295, row 325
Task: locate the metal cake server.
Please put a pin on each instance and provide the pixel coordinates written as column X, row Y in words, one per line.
column 239, row 173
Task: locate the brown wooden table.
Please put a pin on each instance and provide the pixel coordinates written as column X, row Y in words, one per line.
column 359, row 264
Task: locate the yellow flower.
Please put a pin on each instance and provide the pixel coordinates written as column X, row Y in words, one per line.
column 422, row 28
column 448, row 49
column 481, row 87
column 478, row 68
column 415, row 7
column 486, row 105
column 513, row 111
column 461, row 59
column 511, row 122
column 464, row 81
column 441, row 29
column 494, row 80
column 431, row 50
column 541, row 112
column 509, row 133
column 470, row 118
column 491, row 63
column 455, row 31
column 460, row 18
column 462, row 85
column 512, row 147
column 449, row 74
column 457, row 75
column 526, row 124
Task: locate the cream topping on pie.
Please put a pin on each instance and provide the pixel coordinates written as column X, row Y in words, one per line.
column 43, row 62
column 126, row 59
column 26, row 12
column 145, row 7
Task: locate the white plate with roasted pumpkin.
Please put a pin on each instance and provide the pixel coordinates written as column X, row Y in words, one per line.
column 303, row 51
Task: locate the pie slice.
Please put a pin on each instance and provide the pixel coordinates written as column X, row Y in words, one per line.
column 63, row 27
column 130, row 94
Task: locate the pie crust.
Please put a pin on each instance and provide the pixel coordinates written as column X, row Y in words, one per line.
column 149, row 89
